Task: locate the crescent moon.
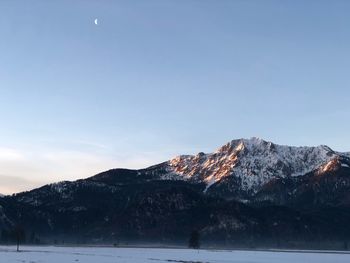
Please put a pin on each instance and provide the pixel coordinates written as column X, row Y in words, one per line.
column 96, row 21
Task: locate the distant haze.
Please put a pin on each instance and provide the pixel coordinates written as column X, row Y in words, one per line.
column 159, row 78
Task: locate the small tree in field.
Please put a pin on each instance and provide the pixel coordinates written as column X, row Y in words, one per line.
column 19, row 235
column 194, row 240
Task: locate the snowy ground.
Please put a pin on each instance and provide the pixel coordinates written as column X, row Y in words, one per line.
column 155, row 255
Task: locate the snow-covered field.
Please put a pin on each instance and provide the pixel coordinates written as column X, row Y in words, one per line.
column 138, row 255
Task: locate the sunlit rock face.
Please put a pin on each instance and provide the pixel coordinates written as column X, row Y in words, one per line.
column 251, row 162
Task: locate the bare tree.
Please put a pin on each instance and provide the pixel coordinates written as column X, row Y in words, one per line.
column 194, row 240
column 19, row 235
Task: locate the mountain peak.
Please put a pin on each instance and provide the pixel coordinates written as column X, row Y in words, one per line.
column 240, row 144
column 252, row 162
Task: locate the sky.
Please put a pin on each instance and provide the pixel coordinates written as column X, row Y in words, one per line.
column 159, row 78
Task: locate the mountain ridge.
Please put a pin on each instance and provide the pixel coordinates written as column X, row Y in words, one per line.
column 176, row 173
column 254, row 161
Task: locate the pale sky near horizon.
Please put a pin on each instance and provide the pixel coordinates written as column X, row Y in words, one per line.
column 155, row 79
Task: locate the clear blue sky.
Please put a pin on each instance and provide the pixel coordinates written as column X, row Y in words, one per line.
column 156, row 79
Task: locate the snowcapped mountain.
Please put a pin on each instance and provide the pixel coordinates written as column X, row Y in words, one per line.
column 252, row 162
column 247, row 188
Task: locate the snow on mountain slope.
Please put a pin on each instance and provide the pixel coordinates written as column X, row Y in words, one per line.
column 347, row 154
column 253, row 161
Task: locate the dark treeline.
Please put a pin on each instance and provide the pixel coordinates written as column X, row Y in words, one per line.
column 17, row 234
